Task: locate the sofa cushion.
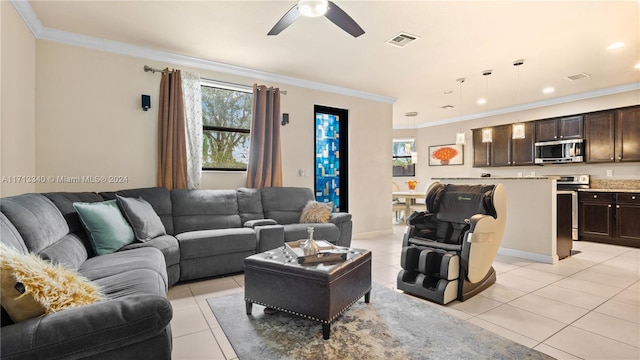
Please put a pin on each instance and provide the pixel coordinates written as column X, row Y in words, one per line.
column 64, row 202
column 120, row 262
column 143, row 219
column 158, row 197
column 285, row 204
column 107, row 228
column 204, row 210
column 195, row 244
column 36, row 218
column 32, row 286
column 249, row 204
column 9, row 235
column 316, row 212
column 167, row 244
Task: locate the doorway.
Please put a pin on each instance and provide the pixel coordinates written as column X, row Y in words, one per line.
column 331, row 156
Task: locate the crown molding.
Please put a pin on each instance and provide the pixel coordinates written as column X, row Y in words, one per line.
column 532, row 105
column 64, row 37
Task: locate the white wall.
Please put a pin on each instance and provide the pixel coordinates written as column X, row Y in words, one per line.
column 17, row 124
column 89, row 123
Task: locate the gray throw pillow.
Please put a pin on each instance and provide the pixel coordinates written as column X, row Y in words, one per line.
column 145, row 222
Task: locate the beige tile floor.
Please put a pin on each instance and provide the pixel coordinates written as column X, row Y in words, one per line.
column 584, row 307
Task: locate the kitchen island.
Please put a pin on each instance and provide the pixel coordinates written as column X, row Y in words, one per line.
column 530, row 232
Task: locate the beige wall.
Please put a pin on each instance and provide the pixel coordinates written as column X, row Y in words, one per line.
column 90, row 123
column 445, row 134
column 17, row 124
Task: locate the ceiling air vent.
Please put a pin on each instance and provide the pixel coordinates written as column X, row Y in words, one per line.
column 578, row 76
column 402, row 40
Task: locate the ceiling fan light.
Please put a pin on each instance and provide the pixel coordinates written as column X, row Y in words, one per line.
column 313, row 8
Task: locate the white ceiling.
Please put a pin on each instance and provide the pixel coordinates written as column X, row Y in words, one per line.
column 458, row 39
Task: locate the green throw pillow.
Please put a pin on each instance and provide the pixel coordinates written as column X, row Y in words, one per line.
column 108, row 230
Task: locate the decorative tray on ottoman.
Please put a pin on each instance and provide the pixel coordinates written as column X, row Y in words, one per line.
column 327, row 252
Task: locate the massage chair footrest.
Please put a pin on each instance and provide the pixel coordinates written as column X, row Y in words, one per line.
column 443, row 264
column 427, row 286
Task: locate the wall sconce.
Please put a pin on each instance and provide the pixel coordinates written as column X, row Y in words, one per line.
column 146, row 102
column 461, row 138
column 487, row 135
column 517, row 132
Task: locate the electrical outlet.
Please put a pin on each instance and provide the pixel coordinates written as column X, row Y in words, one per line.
column 300, row 172
column 533, row 173
column 519, row 173
column 609, row 172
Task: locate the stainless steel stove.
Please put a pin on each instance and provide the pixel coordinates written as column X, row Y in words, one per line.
column 573, row 183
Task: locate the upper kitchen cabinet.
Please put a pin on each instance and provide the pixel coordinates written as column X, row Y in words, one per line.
column 481, row 151
column 523, row 151
column 613, row 135
column 501, row 146
column 628, row 134
column 559, row 129
column 503, row 150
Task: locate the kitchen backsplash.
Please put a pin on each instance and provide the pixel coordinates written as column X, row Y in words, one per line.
column 615, row 184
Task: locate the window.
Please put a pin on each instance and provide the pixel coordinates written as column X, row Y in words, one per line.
column 404, row 151
column 226, row 122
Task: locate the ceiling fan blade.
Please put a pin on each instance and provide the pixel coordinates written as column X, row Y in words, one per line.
column 286, row 20
column 343, row 20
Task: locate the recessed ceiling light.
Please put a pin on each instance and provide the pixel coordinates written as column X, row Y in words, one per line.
column 481, row 101
column 616, row 45
column 448, row 92
column 411, row 113
column 548, row 90
column 637, row 66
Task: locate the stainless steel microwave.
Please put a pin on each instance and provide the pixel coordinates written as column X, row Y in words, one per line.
column 560, row 152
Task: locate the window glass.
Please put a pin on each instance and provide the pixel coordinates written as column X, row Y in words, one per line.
column 402, row 152
column 226, row 120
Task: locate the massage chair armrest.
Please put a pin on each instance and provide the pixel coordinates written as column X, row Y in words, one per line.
column 481, row 246
column 86, row 331
column 487, row 223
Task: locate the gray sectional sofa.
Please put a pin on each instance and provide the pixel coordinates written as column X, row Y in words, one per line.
column 208, row 233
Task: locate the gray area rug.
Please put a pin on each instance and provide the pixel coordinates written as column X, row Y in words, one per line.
column 391, row 326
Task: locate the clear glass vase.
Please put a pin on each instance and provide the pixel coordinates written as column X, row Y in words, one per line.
column 309, row 247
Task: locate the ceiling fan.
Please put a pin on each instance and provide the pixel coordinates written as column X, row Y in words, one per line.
column 316, row 8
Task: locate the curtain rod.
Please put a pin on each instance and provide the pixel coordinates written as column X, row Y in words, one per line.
column 148, row 68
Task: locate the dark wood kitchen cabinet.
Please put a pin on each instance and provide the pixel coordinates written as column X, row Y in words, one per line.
column 564, row 241
column 613, row 135
column 481, row 151
column 503, row 150
column 609, row 217
column 628, row 134
column 563, row 128
column 501, row 146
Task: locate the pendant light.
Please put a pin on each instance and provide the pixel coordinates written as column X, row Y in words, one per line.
column 487, row 133
column 460, row 136
column 517, row 131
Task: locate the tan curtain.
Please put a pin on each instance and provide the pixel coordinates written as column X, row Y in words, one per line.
column 172, row 144
column 265, row 160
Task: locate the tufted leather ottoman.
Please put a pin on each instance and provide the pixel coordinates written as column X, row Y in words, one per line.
column 319, row 292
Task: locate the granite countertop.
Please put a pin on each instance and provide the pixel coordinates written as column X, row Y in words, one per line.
column 500, row 178
column 611, row 190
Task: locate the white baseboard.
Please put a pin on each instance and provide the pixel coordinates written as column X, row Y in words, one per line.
column 529, row 255
column 371, row 234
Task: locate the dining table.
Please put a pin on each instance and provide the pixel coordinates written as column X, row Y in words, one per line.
column 410, row 199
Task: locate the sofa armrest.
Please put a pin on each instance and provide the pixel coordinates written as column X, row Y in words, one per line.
column 269, row 237
column 339, row 217
column 343, row 221
column 88, row 330
column 259, row 222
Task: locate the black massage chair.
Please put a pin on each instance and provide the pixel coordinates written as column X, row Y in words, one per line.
column 448, row 251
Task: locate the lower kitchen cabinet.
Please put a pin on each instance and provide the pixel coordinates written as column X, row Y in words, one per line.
column 609, row 217
column 564, row 242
